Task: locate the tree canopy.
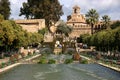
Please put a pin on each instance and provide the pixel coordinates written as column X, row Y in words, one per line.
column 115, row 25
column 43, row 31
column 5, row 8
column 64, row 29
column 12, row 36
column 104, row 40
column 106, row 21
column 50, row 10
column 1, row 18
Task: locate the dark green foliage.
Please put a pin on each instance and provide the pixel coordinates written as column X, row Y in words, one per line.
column 2, row 65
column 50, row 10
column 12, row 36
column 70, row 51
column 5, row 8
column 1, row 18
column 25, row 10
column 115, row 24
column 84, row 61
column 106, row 22
column 84, row 38
column 63, row 28
column 42, row 60
column 51, row 61
column 68, row 61
column 104, row 40
column 43, row 31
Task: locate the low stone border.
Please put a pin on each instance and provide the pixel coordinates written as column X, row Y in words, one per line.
column 114, row 68
column 9, row 67
column 85, row 57
column 33, row 57
column 102, row 64
column 16, row 64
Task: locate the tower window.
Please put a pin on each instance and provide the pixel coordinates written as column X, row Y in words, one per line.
column 75, row 11
column 73, row 24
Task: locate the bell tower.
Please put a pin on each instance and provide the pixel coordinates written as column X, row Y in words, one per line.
column 76, row 10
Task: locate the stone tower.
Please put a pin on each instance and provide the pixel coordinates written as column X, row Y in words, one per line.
column 78, row 22
column 76, row 10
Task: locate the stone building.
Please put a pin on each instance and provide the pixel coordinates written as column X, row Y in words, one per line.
column 31, row 25
column 97, row 27
column 78, row 23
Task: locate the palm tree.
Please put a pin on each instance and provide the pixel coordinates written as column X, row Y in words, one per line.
column 106, row 21
column 92, row 18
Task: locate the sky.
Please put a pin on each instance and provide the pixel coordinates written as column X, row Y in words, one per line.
column 103, row 7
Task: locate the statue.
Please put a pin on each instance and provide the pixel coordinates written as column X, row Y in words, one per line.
column 57, row 44
column 76, row 56
column 58, row 47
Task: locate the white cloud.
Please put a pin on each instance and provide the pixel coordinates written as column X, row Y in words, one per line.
column 110, row 7
column 14, row 1
column 15, row 8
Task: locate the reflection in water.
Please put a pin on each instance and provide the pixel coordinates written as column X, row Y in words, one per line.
column 60, row 72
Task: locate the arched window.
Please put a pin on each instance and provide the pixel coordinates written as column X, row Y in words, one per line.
column 75, row 11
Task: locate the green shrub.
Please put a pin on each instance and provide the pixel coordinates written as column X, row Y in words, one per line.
column 3, row 65
column 70, row 52
column 51, row 61
column 84, row 61
column 59, row 53
column 42, row 60
column 68, row 61
column 47, row 52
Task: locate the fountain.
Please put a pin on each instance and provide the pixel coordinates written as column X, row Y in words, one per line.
column 58, row 47
column 60, row 72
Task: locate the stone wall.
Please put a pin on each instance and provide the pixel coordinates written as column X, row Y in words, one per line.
column 31, row 25
column 78, row 29
column 48, row 37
